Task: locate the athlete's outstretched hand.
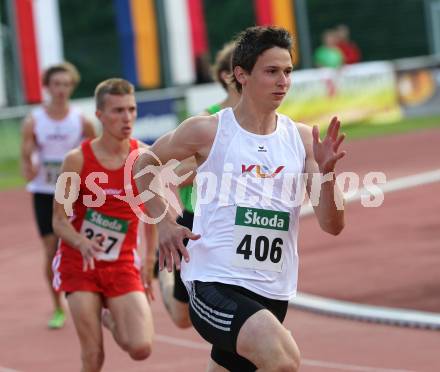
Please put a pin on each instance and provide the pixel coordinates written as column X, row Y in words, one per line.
column 171, row 236
column 89, row 248
column 326, row 152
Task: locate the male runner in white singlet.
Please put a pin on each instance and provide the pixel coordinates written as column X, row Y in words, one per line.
column 241, row 263
column 50, row 132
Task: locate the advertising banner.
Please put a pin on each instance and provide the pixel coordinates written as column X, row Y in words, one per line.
column 357, row 93
column 155, row 118
column 418, row 86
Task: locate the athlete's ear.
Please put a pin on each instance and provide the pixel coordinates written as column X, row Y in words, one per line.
column 98, row 114
column 225, row 77
column 240, row 74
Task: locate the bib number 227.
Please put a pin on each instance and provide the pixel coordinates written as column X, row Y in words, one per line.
column 100, row 238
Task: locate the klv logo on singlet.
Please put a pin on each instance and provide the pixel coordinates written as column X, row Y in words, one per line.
column 261, row 171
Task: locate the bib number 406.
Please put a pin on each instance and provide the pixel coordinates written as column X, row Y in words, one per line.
column 262, row 248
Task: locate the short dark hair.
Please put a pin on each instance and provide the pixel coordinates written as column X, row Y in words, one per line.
column 114, row 86
column 254, row 41
column 61, row 67
column 222, row 64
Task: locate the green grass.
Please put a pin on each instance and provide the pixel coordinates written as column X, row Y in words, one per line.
column 10, row 176
column 366, row 130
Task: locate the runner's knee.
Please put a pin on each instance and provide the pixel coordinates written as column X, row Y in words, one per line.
column 139, row 348
column 138, row 351
column 179, row 312
column 288, row 358
column 279, row 353
column 182, row 323
column 181, row 320
column 289, row 363
column 93, row 360
column 281, row 362
column 286, row 365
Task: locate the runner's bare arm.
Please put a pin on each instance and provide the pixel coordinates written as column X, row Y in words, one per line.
column 194, row 137
column 186, row 166
column 143, row 145
column 89, row 131
column 61, row 221
column 28, row 146
column 327, row 199
column 151, row 243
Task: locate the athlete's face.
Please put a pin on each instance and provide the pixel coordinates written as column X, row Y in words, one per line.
column 118, row 115
column 270, row 78
column 60, row 87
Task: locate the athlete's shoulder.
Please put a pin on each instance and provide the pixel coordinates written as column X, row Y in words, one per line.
column 303, row 128
column 74, row 160
column 200, row 125
column 142, row 145
column 75, row 154
column 201, row 120
column 28, row 124
column 305, row 132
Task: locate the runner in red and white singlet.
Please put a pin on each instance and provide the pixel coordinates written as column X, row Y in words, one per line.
column 114, row 225
column 97, row 264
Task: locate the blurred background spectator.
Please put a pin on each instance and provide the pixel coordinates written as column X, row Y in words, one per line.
column 350, row 51
column 328, row 54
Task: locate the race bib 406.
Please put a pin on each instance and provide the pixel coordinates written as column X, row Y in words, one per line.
column 259, row 237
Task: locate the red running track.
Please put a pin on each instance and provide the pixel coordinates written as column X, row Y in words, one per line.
column 371, row 262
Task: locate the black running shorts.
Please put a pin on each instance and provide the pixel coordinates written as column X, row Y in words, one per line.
column 43, row 210
column 218, row 311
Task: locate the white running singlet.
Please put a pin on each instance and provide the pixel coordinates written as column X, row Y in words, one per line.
column 54, row 138
column 249, row 195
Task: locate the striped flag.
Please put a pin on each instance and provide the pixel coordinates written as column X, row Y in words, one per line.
column 279, row 13
column 198, row 28
column 2, row 72
column 39, row 42
column 180, row 48
column 138, row 36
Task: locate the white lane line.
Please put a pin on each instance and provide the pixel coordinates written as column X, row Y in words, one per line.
column 182, row 342
column 348, row 367
column 307, row 362
column 395, row 316
column 414, row 180
column 5, row 369
column 377, row 314
column 396, row 184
